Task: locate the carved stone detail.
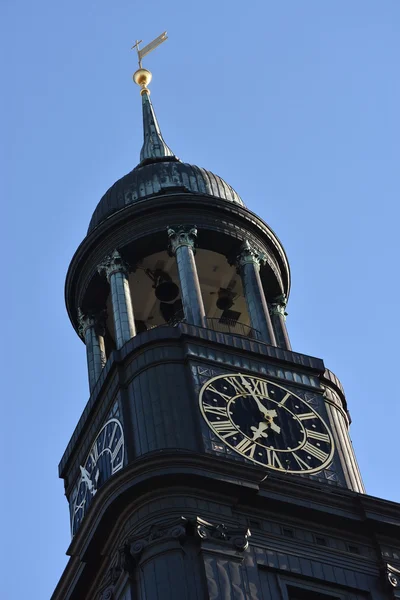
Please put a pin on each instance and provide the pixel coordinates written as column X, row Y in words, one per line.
column 179, row 530
column 181, row 235
column 392, row 575
column 250, row 255
column 113, row 263
column 173, row 530
column 92, row 319
column 85, row 322
column 107, row 589
column 236, row 537
column 278, row 306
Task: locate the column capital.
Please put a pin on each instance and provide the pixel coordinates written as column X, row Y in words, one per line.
column 250, row 255
column 113, row 263
column 181, row 235
column 278, row 305
column 85, row 322
column 91, row 319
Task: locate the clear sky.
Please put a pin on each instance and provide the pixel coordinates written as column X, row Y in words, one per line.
column 295, row 103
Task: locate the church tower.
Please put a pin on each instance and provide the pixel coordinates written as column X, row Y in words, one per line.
column 212, row 461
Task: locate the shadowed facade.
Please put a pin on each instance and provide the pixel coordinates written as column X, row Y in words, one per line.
column 212, row 461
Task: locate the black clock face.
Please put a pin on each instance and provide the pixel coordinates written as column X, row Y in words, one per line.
column 266, row 423
column 105, row 458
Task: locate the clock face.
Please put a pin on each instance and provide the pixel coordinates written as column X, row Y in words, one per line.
column 266, row 423
column 105, row 458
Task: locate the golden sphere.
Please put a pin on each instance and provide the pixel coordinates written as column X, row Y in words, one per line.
column 142, row 77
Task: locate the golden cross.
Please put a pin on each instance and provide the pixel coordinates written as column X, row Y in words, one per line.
column 156, row 42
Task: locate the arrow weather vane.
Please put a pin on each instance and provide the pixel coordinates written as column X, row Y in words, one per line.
column 147, row 49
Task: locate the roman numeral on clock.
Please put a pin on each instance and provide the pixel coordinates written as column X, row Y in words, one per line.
column 260, row 388
column 214, row 390
column 240, row 389
column 116, row 449
column 285, row 397
column 302, row 463
column 216, row 410
column 315, row 435
column 246, row 447
column 225, row 428
column 273, row 459
column 305, row 416
column 316, row 452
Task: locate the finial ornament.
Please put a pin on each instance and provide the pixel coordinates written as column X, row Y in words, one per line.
column 143, row 76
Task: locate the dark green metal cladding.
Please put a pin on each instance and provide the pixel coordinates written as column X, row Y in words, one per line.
column 154, row 146
column 161, row 177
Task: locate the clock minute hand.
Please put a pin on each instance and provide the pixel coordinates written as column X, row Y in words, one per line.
column 267, row 414
column 250, row 390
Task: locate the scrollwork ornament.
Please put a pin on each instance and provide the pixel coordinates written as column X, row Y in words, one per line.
column 137, row 548
column 392, row 576
column 240, row 542
column 278, row 306
column 178, row 533
column 113, row 263
column 181, row 235
column 85, row 321
column 250, row 255
column 108, row 594
column 235, row 537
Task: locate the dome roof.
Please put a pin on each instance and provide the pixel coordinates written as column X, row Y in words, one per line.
column 159, row 170
column 165, row 176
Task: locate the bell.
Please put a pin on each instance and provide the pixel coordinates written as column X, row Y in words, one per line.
column 166, row 291
column 171, row 312
column 225, row 299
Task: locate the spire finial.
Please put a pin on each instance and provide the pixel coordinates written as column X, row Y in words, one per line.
column 154, row 146
column 142, row 76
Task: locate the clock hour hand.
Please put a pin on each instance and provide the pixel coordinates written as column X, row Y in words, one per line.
column 259, row 431
column 87, row 480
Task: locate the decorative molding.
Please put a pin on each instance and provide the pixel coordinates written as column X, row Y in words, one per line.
column 179, row 530
column 113, row 263
column 110, row 581
column 181, row 235
column 250, row 255
column 88, row 319
column 278, row 306
column 236, row 537
column 392, row 576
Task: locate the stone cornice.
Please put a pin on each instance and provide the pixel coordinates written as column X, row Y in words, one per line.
column 243, row 485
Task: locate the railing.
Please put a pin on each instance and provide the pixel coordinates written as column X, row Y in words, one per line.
column 234, row 327
column 219, row 325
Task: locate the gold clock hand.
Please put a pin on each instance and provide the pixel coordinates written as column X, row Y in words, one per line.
column 267, row 413
column 86, row 477
column 260, row 430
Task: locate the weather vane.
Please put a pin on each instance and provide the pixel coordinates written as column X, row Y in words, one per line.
column 147, row 49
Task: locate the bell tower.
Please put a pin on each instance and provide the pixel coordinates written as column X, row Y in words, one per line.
column 211, row 461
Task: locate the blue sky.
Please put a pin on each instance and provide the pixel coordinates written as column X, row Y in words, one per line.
column 295, row 104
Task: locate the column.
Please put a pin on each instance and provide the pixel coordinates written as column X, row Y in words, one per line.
column 248, row 262
column 278, row 316
column 91, row 327
column 182, row 246
column 116, row 271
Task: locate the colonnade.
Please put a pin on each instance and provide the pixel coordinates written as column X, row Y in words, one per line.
column 266, row 317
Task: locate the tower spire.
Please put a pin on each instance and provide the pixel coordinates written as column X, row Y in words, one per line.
column 154, row 146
